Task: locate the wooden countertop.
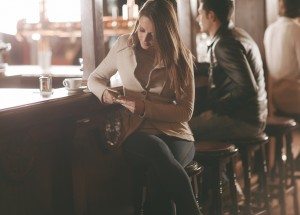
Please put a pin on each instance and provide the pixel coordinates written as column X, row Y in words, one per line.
column 14, row 98
column 26, row 76
column 23, row 107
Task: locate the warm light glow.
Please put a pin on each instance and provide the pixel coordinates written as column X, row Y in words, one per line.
column 14, row 10
column 56, row 10
column 63, row 10
column 36, row 36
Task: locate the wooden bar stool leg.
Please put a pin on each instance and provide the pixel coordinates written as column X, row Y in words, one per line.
column 217, row 208
column 232, row 181
column 245, row 155
column 144, row 193
column 280, row 163
column 142, row 207
column 263, row 179
column 196, row 188
column 290, row 161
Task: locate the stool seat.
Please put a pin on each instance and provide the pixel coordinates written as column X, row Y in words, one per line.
column 276, row 125
column 193, row 169
column 214, row 148
column 288, row 115
column 263, row 138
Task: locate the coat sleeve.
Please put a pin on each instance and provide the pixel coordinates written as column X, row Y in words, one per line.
column 231, row 57
column 179, row 111
column 297, row 45
column 99, row 79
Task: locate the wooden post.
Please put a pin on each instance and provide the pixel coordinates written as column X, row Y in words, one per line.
column 186, row 20
column 92, row 35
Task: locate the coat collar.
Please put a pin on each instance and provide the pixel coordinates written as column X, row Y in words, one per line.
column 221, row 31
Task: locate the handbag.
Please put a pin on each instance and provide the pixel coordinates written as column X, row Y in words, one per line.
column 113, row 127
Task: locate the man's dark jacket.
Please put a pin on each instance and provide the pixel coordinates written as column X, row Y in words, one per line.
column 238, row 88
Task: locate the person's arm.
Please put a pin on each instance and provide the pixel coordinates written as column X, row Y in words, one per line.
column 99, row 79
column 271, row 108
column 181, row 111
column 267, row 46
column 297, row 46
column 230, row 56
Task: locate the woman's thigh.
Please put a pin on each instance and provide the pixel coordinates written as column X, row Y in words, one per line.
column 145, row 148
column 182, row 150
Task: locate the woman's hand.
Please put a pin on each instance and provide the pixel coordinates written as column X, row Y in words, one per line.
column 135, row 106
column 109, row 97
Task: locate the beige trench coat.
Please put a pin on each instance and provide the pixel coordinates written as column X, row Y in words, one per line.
column 167, row 115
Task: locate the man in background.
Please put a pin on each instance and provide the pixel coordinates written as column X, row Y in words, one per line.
column 237, row 103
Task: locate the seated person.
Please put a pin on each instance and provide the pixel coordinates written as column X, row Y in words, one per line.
column 157, row 75
column 284, row 65
column 237, row 101
column 282, row 45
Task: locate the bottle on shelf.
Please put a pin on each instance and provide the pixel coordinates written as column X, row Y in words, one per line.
column 130, row 10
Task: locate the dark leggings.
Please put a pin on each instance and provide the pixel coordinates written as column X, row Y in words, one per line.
column 163, row 158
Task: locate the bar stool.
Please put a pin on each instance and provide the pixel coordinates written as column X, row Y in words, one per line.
column 247, row 149
column 193, row 170
column 281, row 128
column 217, row 155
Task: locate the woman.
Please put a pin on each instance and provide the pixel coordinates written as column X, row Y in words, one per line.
column 157, row 75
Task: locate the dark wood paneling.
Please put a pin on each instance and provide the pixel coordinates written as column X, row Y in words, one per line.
column 52, row 161
column 35, row 172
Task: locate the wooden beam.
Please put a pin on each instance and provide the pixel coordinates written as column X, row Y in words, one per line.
column 187, row 13
column 92, row 35
column 184, row 21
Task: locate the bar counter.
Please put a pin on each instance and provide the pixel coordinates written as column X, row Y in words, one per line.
column 52, row 156
column 22, row 104
column 26, row 76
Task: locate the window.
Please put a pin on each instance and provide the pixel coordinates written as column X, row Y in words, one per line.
column 14, row 10
column 63, row 33
column 57, row 10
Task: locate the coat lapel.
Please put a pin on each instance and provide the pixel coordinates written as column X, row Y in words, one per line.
column 157, row 78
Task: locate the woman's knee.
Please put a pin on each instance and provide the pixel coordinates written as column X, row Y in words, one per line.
column 183, row 151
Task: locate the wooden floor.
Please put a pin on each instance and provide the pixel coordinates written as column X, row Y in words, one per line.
column 289, row 202
column 275, row 205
